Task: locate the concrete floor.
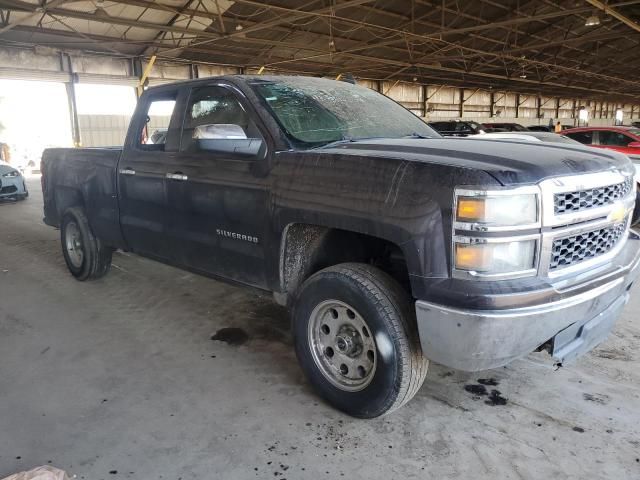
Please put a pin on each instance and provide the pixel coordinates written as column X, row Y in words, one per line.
column 119, row 378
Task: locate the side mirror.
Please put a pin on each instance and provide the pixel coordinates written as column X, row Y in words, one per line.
column 219, row 131
column 634, row 145
column 249, row 147
column 226, row 138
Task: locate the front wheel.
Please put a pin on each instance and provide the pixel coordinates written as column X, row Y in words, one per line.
column 85, row 255
column 356, row 340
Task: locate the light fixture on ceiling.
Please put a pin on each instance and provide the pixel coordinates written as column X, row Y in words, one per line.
column 239, row 27
column 592, row 21
column 523, row 75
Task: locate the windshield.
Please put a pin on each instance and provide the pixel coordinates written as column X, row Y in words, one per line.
column 315, row 111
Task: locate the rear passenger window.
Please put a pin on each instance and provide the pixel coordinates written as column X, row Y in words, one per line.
column 582, row 137
column 613, row 139
column 153, row 135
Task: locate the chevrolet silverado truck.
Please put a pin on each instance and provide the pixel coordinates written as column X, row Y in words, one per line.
column 390, row 245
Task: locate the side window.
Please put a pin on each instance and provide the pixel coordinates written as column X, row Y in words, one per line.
column 153, row 134
column 583, row 137
column 613, row 139
column 216, row 121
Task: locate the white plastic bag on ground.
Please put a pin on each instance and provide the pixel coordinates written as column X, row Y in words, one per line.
column 40, row 473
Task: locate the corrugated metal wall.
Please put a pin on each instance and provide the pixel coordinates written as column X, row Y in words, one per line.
column 103, row 130
column 428, row 101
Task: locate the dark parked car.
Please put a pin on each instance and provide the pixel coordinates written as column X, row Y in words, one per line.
column 389, row 244
column 546, row 128
column 507, row 127
column 540, row 128
column 458, row 128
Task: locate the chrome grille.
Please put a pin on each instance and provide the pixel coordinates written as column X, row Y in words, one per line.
column 570, row 202
column 571, row 250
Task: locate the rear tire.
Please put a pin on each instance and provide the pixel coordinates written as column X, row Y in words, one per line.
column 356, row 340
column 87, row 258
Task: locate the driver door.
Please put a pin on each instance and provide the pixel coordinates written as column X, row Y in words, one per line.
column 217, row 195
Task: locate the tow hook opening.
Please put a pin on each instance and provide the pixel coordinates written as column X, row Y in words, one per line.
column 546, row 347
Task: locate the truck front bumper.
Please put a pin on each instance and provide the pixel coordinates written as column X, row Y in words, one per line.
column 573, row 323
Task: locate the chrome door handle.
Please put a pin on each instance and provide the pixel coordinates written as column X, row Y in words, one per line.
column 127, row 171
column 177, row 176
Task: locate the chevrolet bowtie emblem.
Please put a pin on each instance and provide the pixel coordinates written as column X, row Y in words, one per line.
column 618, row 214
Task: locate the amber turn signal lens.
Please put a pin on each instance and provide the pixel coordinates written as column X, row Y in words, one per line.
column 472, row 257
column 470, row 209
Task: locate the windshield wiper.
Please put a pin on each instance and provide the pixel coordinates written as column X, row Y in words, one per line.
column 344, row 139
column 415, row 135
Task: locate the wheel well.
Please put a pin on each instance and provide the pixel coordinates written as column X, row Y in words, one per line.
column 66, row 198
column 308, row 249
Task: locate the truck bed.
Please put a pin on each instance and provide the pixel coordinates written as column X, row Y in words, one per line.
column 85, row 176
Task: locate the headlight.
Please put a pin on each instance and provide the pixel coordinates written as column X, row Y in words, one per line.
column 12, row 174
column 494, row 258
column 503, row 252
column 496, row 209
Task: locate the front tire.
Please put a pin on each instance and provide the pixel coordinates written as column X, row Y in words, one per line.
column 356, row 340
column 85, row 255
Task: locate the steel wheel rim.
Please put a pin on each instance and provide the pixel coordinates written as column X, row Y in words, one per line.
column 342, row 345
column 73, row 244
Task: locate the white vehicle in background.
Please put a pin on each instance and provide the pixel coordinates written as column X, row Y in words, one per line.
column 546, row 137
column 12, row 185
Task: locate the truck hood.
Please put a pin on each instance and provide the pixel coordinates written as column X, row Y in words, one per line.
column 509, row 162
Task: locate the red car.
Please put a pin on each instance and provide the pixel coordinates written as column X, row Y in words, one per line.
column 621, row 139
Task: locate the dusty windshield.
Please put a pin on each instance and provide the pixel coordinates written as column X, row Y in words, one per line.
column 315, row 111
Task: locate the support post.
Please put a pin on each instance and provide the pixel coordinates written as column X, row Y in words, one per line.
column 557, row 109
column 67, row 66
column 461, row 106
column 492, row 104
column 145, row 75
column 517, row 105
column 424, row 101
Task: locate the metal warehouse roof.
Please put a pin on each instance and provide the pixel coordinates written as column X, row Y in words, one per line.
column 535, row 46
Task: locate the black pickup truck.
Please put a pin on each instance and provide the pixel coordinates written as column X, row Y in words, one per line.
column 390, row 244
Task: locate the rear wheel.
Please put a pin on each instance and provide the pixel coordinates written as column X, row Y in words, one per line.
column 356, row 341
column 85, row 255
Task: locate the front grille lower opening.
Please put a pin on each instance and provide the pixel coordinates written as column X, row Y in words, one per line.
column 574, row 249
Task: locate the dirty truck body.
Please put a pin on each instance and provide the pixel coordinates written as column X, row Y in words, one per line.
column 390, row 244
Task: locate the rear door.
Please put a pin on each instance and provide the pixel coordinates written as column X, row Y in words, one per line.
column 151, row 145
column 615, row 140
column 218, row 189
